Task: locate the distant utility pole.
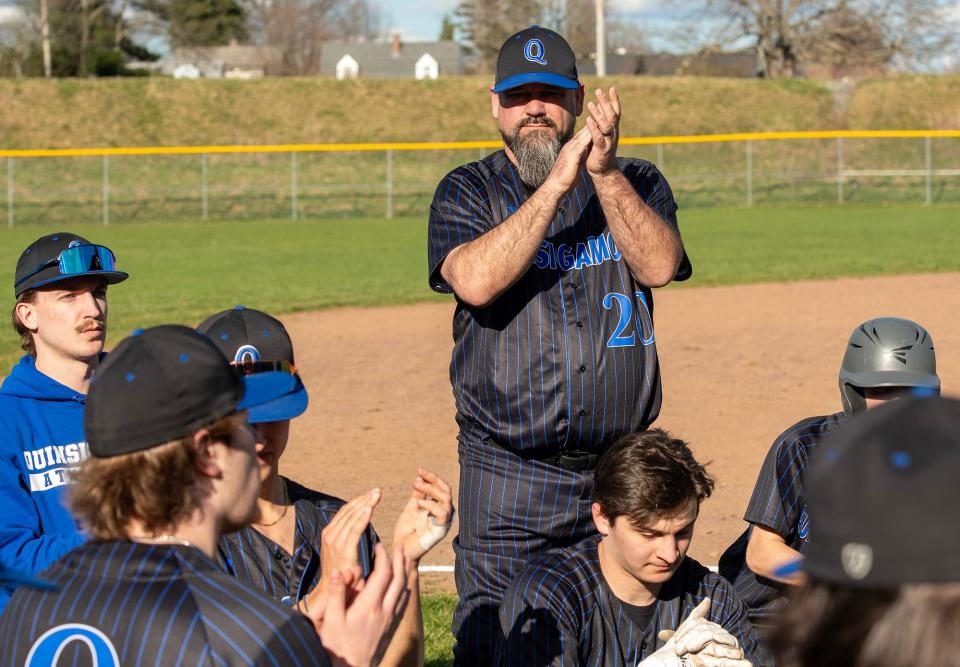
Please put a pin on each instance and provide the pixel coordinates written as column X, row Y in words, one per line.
column 601, row 41
column 45, row 39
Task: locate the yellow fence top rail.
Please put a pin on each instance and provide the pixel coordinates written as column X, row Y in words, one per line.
column 454, row 145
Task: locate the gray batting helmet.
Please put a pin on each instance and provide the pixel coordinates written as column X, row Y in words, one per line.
column 886, row 352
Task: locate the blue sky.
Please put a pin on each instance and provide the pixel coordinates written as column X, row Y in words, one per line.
column 419, row 20
column 416, row 20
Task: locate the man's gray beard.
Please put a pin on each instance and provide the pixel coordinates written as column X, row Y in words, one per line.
column 536, row 153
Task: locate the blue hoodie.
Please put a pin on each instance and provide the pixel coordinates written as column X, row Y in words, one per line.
column 41, row 440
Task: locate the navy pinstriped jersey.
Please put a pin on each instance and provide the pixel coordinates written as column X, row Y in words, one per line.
column 566, row 357
column 779, row 503
column 124, row 603
column 263, row 564
column 559, row 610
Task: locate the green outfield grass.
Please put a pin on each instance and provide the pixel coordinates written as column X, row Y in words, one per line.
column 438, row 641
column 181, row 272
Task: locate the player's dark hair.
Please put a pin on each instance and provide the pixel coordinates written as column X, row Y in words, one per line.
column 648, row 476
column 157, row 486
column 826, row 625
column 26, row 337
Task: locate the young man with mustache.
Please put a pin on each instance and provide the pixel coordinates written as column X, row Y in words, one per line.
column 60, row 314
column 551, row 247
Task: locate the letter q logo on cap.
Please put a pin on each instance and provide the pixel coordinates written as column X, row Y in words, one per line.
column 534, row 52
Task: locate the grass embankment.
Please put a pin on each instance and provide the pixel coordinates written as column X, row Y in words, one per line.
column 164, row 112
column 182, row 272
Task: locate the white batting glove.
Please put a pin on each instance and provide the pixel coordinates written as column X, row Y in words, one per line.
column 697, row 642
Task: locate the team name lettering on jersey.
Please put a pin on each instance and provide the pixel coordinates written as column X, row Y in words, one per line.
column 51, row 466
column 596, row 251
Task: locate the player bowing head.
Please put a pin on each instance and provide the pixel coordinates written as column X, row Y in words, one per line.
column 173, row 466
column 300, row 536
column 619, row 598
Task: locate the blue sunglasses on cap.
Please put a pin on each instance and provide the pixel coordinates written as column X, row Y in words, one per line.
column 79, row 260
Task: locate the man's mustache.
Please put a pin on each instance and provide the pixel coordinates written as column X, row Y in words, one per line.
column 91, row 323
column 532, row 121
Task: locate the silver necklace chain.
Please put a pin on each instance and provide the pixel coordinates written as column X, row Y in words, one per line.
column 163, row 539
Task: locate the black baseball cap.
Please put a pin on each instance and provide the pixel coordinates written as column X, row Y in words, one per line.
column 255, row 343
column 163, row 383
column 882, row 496
column 536, row 55
column 62, row 256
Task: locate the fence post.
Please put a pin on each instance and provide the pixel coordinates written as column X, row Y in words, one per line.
column 928, row 163
column 749, row 173
column 389, row 184
column 203, row 186
column 293, row 185
column 840, row 168
column 106, row 190
column 9, row 192
column 660, row 157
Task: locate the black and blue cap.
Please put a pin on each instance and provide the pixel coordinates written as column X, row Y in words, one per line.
column 61, row 256
column 882, row 498
column 536, row 55
column 256, row 343
column 164, row 383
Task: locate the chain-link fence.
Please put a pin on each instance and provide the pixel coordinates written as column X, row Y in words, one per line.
column 387, row 180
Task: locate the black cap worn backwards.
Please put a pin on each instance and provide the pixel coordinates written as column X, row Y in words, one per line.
column 258, row 343
column 162, row 384
column 536, row 55
column 62, row 256
column 883, row 494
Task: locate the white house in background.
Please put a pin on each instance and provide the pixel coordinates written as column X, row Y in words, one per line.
column 186, row 71
column 217, row 62
column 392, row 60
column 427, row 67
column 347, row 68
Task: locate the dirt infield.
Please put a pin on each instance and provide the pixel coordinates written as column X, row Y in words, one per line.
column 739, row 365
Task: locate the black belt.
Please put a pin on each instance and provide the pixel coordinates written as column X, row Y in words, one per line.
column 574, row 460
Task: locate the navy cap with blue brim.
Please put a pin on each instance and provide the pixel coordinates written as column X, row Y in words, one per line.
column 536, row 55
column 257, row 343
column 289, row 405
column 880, row 480
column 13, row 578
column 164, row 383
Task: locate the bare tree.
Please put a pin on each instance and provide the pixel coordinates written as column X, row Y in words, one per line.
column 299, row 27
column 485, row 24
column 790, row 33
column 45, row 39
column 17, row 42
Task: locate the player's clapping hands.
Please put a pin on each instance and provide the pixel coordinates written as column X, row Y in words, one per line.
column 427, row 516
column 356, row 618
column 603, row 123
column 697, row 642
column 340, row 537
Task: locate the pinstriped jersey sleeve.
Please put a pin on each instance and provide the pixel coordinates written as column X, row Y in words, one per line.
column 777, row 499
column 653, row 188
column 460, row 212
column 540, row 618
column 729, row 612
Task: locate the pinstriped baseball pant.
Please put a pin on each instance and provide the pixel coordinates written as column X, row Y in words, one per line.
column 511, row 509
